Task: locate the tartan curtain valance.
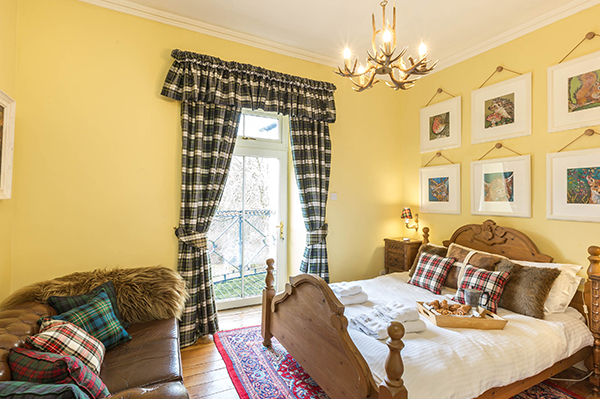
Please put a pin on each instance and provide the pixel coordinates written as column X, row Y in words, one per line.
column 200, row 77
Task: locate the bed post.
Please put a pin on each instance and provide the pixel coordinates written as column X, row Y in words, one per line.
column 592, row 288
column 425, row 235
column 394, row 368
column 268, row 294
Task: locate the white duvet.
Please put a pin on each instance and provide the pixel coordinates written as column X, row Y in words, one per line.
column 463, row 363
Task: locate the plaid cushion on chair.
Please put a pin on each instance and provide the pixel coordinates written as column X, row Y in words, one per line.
column 30, row 390
column 486, row 281
column 431, row 272
column 49, row 368
column 97, row 318
column 63, row 304
column 64, row 338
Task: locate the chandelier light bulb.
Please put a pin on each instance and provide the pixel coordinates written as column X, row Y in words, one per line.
column 347, row 53
column 422, row 50
column 387, row 36
column 361, row 69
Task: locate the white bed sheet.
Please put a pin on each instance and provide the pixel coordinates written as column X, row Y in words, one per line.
column 463, row 363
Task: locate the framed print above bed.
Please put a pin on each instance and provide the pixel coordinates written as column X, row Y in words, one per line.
column 574, row 93
column 501, row 187
column 502, row 110
column 573, row 185
column 440, row 125
column 7, row 132
column 440, row 189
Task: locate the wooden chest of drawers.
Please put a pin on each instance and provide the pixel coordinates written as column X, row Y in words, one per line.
column 399, row 254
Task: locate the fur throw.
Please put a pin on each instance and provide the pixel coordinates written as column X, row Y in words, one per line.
column 143, row 293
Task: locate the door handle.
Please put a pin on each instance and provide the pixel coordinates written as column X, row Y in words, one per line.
column 280, row 225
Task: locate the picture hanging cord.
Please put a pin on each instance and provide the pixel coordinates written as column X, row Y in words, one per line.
column 438, row 154
column 588, row 132
column 498, row 145
column 499, row 69
column 438, row 91
column 588, row 36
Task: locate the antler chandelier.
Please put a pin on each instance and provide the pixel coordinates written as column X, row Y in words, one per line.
column 383, row 62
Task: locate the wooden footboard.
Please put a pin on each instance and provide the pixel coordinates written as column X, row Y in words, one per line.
column 308, row 320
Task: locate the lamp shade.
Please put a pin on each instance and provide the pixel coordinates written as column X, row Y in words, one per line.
column 406, row 214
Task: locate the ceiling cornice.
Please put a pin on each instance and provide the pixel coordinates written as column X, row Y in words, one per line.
column 152, row 14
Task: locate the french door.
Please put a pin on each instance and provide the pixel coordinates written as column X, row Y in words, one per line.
column 249, row 226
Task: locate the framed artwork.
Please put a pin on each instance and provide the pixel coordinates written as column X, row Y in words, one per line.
column 440, row 125
column 440, row 189
column 501, row 111
column 574, row 93
column 7, row 134
column 501, row 187
column 573, row 185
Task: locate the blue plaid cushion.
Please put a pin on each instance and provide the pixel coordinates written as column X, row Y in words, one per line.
column 63, row 304
column 97, row 318
column 431, row 272
column 49, row 368
column 30, row 390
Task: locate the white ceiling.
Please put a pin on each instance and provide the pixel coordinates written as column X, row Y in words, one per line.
column 319, row 29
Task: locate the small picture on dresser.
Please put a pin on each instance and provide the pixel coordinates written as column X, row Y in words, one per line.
column 573, row 184
column 440, row 189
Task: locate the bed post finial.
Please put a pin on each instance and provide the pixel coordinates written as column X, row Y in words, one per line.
column 425, row 235
column 594, row 259
column 394, row 368
column 268, row 294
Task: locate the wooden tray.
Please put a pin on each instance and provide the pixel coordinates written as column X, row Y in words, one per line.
column 488, row 321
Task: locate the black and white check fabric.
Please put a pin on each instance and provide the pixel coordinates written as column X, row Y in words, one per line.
column 492, row 282
column 431, row 272
column 213, row 93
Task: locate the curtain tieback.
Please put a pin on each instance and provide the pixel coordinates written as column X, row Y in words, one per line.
column 317, row 236
column 192, row 237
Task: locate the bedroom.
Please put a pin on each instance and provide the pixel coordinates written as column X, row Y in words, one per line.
column 96, row 179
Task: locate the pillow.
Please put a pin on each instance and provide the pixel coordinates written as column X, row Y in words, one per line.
column 431, row 272
column 28, row 390
column 484, row 280
column 428, row 249
column 564, row 288
column 97, row 318
column 462, row 254
column 49, row 368
column 527, row 288
column 63, row 338
column 63, row 304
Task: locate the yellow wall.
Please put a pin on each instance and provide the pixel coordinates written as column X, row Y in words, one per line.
column 566, row 241
column 97, row 165
column 8, row 41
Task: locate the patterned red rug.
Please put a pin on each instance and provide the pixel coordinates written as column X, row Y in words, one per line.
column 271, row 373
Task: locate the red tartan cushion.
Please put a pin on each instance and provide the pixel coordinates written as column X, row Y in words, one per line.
column 49, row 368
column 483, row 280
column 64, row 338
column 431, row 272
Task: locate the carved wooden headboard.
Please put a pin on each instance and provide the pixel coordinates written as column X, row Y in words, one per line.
column 495, row 239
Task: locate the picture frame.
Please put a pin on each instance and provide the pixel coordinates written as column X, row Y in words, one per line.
column 573, row 185
column 441, row 125
column 440, row 189
column 501, row 187
column 501, row 111
column 573, row 93
column 7, row 136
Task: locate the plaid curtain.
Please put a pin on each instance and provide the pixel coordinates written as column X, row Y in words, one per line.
column 213, row 93
column 311, row 152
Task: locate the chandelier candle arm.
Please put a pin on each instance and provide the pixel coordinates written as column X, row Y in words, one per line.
column 383, row 61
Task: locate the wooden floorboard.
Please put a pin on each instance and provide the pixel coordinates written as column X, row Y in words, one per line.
column 206, row 376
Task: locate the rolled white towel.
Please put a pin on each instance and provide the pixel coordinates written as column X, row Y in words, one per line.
column 414, row 326
column 373, row 325
column 354, row 299
column 398, row 311
column 345, row 288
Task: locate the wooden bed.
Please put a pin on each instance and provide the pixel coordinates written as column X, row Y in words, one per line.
column 308, row 320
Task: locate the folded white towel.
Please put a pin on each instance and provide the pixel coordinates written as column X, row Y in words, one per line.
column 397, row 311
column 345, row 288
column 374, row 326
column 354, row 299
